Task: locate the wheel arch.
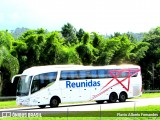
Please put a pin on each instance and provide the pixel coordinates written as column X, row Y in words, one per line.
column 56, row 97
column 113, row 97
column 113, row 93
column 123, row 92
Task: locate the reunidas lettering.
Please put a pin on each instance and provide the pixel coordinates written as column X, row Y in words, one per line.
column 90, row 83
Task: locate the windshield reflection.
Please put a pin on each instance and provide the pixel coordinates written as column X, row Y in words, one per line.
column 23, row 85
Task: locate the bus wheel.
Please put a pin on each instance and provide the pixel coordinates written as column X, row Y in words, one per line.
column 122, row 97
column 100, row 101
column 113, row 97
column 54, row 102
column 42, row 106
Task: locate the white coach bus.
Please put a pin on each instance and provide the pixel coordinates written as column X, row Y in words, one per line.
column 54, row 84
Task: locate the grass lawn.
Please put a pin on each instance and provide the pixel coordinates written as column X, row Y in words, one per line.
column 103, row 115
column 8, row 104
column 150, row 95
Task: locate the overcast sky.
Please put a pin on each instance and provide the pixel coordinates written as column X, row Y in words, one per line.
column 103, row 16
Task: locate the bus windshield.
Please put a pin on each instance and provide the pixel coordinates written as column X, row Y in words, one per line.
column 23, row 85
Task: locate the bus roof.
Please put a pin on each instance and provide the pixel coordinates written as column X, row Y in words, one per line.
column 48, row 68
column 53, row 68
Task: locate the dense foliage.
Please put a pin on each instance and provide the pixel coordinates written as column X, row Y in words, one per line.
column 71, row 46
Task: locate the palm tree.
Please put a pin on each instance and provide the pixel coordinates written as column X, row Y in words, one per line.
column 9, row 64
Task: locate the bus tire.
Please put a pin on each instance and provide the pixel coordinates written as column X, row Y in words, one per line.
column 122, row 97
column 100, row 101
column 54, row 102
column 42, row 106
column 113, row 97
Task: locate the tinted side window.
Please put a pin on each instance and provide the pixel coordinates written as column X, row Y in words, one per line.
column 133, row 72
column 63, row 75
column 91, row 74
column 73, row 75
column 35, row 84
column 94, row 74
column 52, row 76
column 69, row 75
column 82, row 74
column 42, row 80
column 123, row 73
column 102, row 73
column 88, row 74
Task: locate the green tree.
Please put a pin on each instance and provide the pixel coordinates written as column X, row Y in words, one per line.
column 122, row 55
column 97, row 39
column 9, row 64
column 69, row 33
column 80, row 34
column 131, row 37
column 70, row 56
column 85, row 50
column 138, row 52
column 120, row 49
column 34, row 40
column 150, row 63
column 53, row 48
column 19, row 50
column 107, row 50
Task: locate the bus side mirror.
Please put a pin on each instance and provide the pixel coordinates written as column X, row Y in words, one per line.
column 13, row 78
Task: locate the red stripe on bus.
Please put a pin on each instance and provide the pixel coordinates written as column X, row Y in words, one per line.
column 115, row 77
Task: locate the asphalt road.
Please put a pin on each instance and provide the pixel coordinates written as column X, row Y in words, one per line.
column 93, row 106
